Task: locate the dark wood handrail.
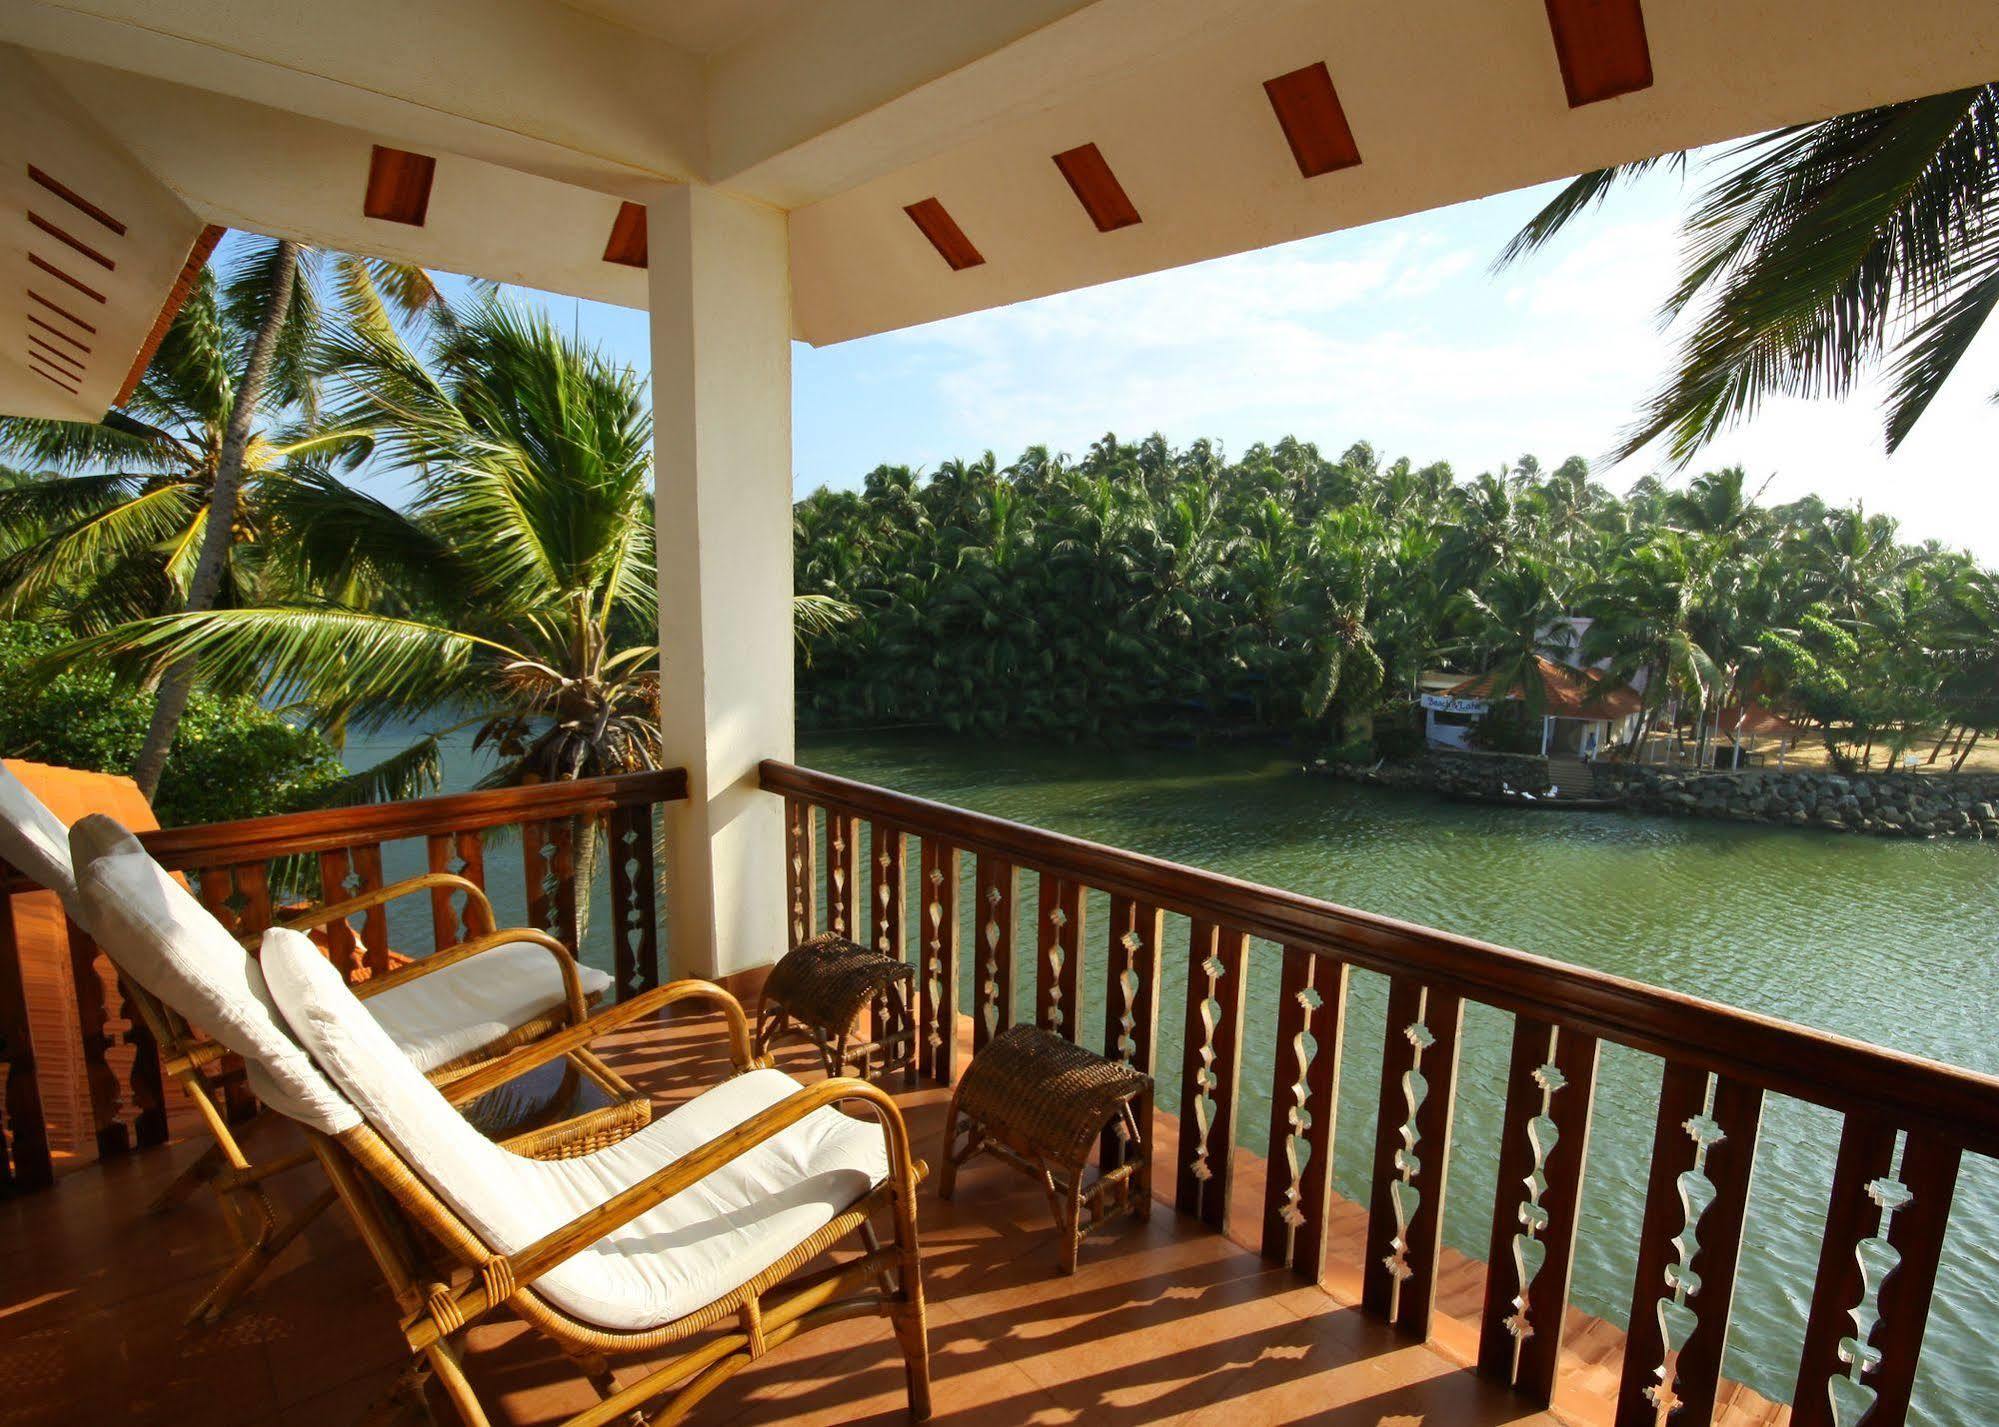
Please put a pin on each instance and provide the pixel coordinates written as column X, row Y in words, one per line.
column 1958, row 1105
column 325, row 829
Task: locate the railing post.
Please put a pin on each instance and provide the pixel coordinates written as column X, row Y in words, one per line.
column 1131, row 1010
column 1544, row 1143
column 937, row 936
column 27, row 1163
column 462, row 853
column 1211, row 1072
column 92, row 1017
column 993, row 922
column 1703, row 1149
column 1058, row 957
column 1311, row 1016
column 634, row 899
column 1412, row 1150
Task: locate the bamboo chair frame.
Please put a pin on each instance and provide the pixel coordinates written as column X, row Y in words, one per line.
column 206, row 1071
column 777, row 1305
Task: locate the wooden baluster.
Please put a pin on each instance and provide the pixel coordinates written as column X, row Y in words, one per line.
column 800, row 877
column 147, row 1080
column 1057, row 955
column 842, row 839
column 1706, row 1131
column 1211, row 1072
column 634, row 905
column 92, row 1017
column 217, row 890
column 992, row 920
column 937, row 936
column 1544, row 1143
column 1131, row 1008
column 887, row 889
column 253, row 896
column 1412, row 1151
column 1304, row 1104
column 27, row 1163
column 1911, row 1202
column 343, row 949
column 446, row 926
column 548, row 858
column 375, row 924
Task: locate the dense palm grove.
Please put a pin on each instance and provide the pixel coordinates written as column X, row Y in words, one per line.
column 1153, row 592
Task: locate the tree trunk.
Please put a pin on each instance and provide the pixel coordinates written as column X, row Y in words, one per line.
column 1948, row 729
column 1967, row 751
column 215, row 536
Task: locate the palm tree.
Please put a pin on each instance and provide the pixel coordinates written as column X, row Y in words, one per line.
column 1815, row 252
column 152, row 509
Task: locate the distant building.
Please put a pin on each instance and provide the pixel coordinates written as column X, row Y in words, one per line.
column 1582, row 711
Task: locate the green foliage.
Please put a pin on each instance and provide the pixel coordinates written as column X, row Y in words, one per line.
column 1148, row 592
column 233, row 758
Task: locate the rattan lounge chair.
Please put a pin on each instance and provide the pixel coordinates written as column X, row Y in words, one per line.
column 448, row 1015
column 712, row 1213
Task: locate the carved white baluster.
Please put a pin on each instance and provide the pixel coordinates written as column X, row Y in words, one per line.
column 1206, row 1081
column 1677, row 1318
column 934, row 959
column 989, row 989
column 836, row 831
column 1850, row 1396
column 800, row 832
column 1057, row 958
column 1529, row 1250
column 1403, row 1194
column 1298, row 1144
column 884, row 898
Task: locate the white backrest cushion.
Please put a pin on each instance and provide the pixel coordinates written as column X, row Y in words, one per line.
column 34, row 840
column 155, row 932
column 496, row 1192
column 96, row 835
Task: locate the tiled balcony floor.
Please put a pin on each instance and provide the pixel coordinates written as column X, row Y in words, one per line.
column 1163, row 1322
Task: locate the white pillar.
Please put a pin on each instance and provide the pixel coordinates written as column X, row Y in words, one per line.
column 721, row 371
column 1547, row 727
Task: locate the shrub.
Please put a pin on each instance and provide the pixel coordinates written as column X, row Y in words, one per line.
column 233, row 758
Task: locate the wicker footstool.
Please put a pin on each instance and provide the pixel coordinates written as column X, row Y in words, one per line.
column 819, row 989
column 1041, row 1103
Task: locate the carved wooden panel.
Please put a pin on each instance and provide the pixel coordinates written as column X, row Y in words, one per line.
column 1542, row 1150
column 452, row 919
column 842, row 837
column 27, row 1163
column 801, row 853
column 887, row 889
column 993, row 922
column 1304, row 1101
column 1412, row 1147
column 937, row 945
column 1703, row 1148
column 1131, row 1007
column 628, row 835
column 1058, row 957
column 548, row 862
column 1211, row 1072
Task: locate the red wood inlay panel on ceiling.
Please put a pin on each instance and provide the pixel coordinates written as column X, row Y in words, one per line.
column 42, row 347
column 43, row 373
column 77, row 243
column 55, row 272
column 56, row 331
column 1097, row 188
column 60, row 311
column 628, row 237
column 399, row 186
column 1308, row 110
column 75, row 200
column 197, row 259
column 944, row 234
column 1601, row 47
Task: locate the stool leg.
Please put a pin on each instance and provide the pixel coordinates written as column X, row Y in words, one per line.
column 1141, row 1175
column 1072, row 1236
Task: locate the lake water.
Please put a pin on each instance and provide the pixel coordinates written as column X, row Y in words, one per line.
column 1890, row 941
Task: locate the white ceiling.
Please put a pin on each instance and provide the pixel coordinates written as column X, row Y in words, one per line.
column 700, row 27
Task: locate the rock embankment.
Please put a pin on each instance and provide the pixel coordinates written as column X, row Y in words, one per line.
column 1884, row 804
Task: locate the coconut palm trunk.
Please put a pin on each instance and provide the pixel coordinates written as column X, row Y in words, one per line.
column 215, row 536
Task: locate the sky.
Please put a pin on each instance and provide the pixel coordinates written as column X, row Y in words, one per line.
column 1398, row 334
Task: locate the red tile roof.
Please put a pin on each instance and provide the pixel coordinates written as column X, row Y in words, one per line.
column 1566, row 692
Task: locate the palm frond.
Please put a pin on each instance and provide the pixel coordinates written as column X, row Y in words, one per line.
column 1579, row 196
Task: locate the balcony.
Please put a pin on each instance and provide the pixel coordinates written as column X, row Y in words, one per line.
column 1263, row 1296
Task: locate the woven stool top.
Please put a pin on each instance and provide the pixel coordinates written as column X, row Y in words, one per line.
column 828, row 980
column 1047, row 1090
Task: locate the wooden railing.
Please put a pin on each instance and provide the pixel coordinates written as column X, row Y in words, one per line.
column 1907, row 1121
column 243, row 870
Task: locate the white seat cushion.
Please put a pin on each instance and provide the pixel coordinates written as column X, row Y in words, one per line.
column 470, row 1004
column 684, row 1254
column 155, row 932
